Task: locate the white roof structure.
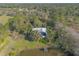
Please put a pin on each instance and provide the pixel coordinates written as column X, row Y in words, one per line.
column 42, row 31
column 39, row 29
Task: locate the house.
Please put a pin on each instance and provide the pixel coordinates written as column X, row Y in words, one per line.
column 42, row 31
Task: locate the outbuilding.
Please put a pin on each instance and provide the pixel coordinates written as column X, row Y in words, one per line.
column 42, row 31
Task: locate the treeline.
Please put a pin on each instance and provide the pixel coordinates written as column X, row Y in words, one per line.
column 48, row 5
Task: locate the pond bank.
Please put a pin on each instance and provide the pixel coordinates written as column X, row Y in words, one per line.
column 43, row 52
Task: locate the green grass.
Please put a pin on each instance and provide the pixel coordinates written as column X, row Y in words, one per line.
column 20, row 45
column 4, row 19
column 4, row 43
column 28, row 44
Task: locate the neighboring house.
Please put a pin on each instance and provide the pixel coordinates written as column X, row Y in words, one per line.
column 42, row 31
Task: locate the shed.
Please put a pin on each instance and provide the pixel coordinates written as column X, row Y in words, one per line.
column 42, row 31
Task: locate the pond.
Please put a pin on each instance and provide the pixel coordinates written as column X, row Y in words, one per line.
column 41, row 52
